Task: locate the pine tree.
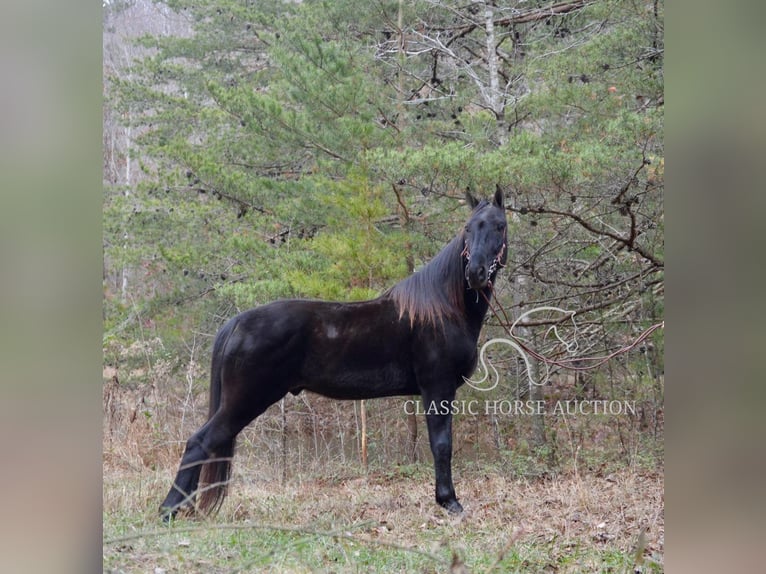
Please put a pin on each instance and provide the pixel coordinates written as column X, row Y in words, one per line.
column 322, row 149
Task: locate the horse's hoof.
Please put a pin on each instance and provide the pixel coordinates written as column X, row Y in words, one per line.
column 453, row 507
column 167, row 514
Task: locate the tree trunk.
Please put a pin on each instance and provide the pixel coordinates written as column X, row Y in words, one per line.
column 494, row 95
column 495, row 99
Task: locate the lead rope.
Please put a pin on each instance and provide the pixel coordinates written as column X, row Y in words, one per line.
column 568, row 364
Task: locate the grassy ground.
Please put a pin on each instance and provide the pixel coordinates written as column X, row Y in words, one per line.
column 388, row 522
column 592, row 502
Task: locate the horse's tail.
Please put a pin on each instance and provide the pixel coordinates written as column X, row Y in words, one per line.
column 215, row 475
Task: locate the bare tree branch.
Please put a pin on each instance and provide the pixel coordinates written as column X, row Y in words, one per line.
column 521, row 17
column 629, row 242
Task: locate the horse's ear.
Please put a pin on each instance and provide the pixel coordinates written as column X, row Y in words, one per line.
column 499, row 201
column 472, row 201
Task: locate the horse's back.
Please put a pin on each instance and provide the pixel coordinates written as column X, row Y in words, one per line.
column 341, row 350
column 268, row 331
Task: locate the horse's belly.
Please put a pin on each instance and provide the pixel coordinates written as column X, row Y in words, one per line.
column 352, row 383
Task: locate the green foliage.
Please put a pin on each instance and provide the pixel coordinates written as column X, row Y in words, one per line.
column 311, row 149
column 356, row 259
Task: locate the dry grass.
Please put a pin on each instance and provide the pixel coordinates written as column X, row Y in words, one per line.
column 333, row 516
column 554, row 520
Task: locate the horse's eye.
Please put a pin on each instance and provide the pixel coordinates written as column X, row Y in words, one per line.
column 501, row 227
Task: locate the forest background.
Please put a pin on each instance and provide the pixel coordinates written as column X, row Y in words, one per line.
column 260, row 150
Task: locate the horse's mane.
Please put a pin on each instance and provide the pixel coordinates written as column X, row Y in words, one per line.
column 435, row 292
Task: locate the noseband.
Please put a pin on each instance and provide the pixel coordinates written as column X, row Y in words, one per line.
column 496, row 262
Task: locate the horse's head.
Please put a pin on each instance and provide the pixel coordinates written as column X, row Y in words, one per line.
column 485, row 240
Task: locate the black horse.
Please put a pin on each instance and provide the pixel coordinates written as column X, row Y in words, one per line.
column 418, row 338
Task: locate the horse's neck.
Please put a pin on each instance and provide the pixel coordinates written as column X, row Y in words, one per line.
column 476, row 307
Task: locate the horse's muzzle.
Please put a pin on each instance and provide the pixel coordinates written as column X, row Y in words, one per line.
column 477, row 276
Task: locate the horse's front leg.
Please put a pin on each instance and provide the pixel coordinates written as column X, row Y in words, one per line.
column 439, row 422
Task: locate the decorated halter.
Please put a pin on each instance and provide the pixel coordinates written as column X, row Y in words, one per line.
column 496, row 262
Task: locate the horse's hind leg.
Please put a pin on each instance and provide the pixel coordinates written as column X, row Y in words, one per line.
column 182, row 493
column 209, row 451
column 208, row 455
